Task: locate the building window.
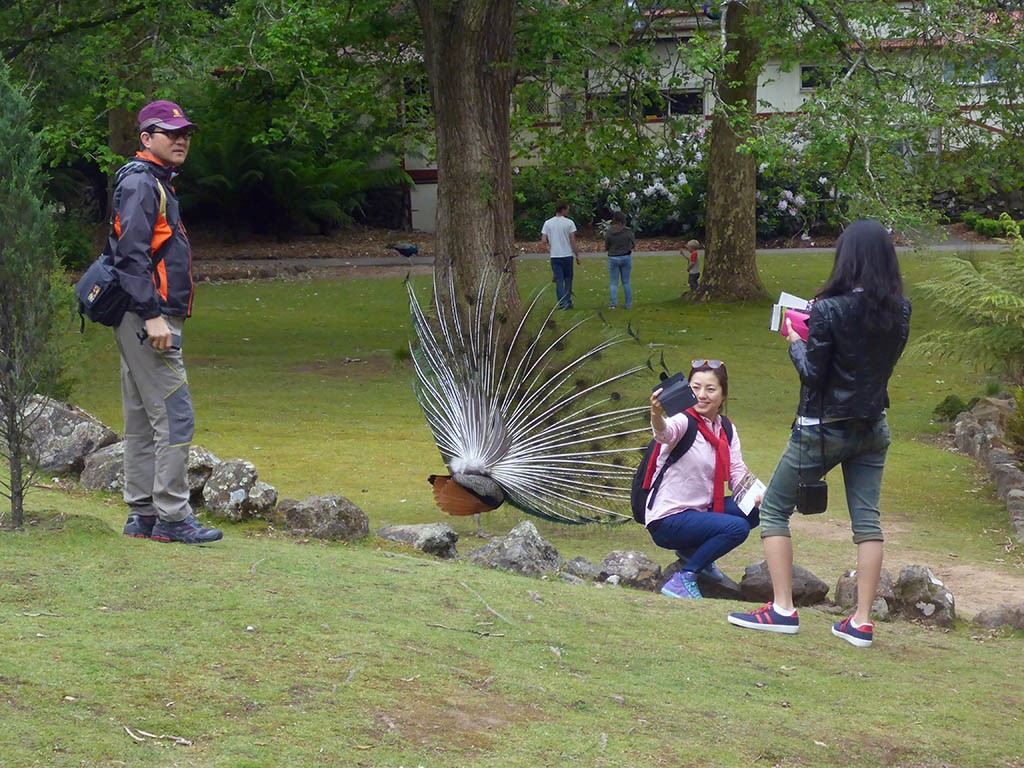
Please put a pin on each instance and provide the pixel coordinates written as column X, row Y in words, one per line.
column 811, row 77
column 984, row 73
column 685, row 102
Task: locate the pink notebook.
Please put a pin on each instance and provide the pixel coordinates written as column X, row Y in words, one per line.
column 798, row 320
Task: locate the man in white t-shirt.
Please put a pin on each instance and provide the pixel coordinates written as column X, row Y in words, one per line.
column 559, row 233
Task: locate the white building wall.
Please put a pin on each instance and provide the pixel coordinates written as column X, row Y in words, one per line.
column 423, row 204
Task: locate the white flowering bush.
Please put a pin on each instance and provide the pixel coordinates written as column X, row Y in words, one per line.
column 793, row 206
column 663, row 192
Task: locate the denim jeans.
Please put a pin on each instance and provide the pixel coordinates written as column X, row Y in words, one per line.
column 704, row 536
column 562, row 269
column 858, row 445
column 620, row 267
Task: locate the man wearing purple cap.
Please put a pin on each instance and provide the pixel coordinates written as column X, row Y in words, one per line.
column 153, row 259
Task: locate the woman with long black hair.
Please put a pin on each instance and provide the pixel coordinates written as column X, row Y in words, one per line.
column 857, row 329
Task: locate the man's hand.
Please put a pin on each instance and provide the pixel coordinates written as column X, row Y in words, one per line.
column 577, row 254
column 159, row 333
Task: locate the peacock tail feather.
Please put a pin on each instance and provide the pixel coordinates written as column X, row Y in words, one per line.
column 523, row 409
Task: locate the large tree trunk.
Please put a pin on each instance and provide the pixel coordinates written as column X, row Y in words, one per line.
column 730, row 261
column 468, row 51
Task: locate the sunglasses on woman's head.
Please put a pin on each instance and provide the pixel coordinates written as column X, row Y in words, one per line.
column 706, row 364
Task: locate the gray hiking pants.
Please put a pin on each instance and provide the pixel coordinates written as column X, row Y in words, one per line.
column 158, row 423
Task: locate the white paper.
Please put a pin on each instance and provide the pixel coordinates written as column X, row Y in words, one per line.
column 747, row 492
column 786, row 301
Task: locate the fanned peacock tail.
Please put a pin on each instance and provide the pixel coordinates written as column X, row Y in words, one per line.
column 517, row 408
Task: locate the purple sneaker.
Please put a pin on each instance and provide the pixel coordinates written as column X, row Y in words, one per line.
column 767, row 619
column 187, row 531
column 861, row 636
column 682, row 584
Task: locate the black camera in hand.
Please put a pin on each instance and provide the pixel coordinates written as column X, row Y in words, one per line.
column 676, row 395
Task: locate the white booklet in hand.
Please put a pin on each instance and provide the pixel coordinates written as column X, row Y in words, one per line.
column 747, row 492
column 787, row 301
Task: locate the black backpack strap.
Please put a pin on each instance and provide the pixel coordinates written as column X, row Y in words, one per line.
column 684, row 444
column 727, row 427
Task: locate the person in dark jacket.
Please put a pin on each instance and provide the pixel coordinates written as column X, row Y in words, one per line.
column 153, row 259
column 858, row 327
column 619, row 242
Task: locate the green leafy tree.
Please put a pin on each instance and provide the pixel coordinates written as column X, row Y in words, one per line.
column 30, row 275
column 894, row 118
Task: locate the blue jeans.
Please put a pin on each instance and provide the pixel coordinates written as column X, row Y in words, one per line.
column 620, row 267
column 859, row 446
column 562, row 269
column 704, row 536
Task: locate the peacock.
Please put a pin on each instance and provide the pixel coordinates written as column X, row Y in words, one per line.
column 518, row 416
column 404, row 249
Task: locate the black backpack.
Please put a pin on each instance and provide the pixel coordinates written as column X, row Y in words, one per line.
column 100, row 295
column 641, row 492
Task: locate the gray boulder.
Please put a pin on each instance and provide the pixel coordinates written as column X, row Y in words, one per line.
column 885, row 597
column 920, row 596
column 329, row 517
column 1008, row 616
column 521, row 551
column 580, row 568
column 1004, row 468
column 436, row 539
column 634, row 569
column 201, row 463
column 61, row 436
column 235, row 493
column 104, row 469
column 1015, row 506
column 756, row 585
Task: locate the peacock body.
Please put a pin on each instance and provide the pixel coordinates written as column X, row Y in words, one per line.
column 521, row 415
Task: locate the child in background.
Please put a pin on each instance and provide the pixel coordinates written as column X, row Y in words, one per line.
column 694, row 267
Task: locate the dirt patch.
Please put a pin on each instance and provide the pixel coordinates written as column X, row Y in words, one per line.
column 473, row 721
column 355, row 243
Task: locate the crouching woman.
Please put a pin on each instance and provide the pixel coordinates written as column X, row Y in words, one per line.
column 687, row 509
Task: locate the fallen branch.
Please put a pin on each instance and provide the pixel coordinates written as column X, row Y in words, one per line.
column 476, row 632
column 141, row 736
column 485, row 604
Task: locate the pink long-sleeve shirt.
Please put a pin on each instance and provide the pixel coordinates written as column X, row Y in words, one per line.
column 689, row 483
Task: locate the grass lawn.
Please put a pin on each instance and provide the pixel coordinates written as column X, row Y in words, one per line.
column 263, row 650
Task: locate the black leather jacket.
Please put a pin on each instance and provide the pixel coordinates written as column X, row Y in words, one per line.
column 845, row 368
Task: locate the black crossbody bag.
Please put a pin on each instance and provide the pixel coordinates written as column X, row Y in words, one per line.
column 812, row 498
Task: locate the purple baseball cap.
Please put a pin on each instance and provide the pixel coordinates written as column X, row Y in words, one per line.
column 163, row 114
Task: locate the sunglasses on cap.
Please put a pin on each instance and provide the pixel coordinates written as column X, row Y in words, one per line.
column 712, row 364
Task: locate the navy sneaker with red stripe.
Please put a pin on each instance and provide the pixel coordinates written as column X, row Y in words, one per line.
column 861, row 636
column 139, row 526
column 187, row 531
column 767, row 619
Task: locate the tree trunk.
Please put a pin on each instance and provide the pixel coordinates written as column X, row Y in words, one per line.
column 468, row 51
column 730, row 259
column 17, row 486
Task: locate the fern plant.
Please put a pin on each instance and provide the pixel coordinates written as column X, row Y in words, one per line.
column 984, row 302
column 1014, row 433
